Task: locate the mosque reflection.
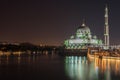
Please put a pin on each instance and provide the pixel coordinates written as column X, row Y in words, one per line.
column 83, row 68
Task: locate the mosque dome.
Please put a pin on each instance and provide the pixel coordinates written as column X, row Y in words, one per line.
column 83, row 29
column 83, row 32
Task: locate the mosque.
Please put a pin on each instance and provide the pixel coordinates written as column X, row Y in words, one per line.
column 83, row 38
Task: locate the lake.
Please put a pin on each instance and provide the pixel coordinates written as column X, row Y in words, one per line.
column 55, row 67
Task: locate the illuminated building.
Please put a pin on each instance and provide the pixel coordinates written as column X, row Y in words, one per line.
column 106, row 32
column 82, row 39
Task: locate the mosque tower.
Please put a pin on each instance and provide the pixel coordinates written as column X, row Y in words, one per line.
column 106, row 28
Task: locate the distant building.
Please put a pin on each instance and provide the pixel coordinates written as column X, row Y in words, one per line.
column 82, row 39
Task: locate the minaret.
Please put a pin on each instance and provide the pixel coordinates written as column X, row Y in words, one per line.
column 106, row 32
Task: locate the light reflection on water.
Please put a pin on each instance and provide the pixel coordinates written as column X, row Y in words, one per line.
column 82, row 68
column 6, row 60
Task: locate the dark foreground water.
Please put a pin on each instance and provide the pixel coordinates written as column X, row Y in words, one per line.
column 54, row 67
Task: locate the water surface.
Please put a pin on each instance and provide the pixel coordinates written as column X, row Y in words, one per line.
column 55, row 67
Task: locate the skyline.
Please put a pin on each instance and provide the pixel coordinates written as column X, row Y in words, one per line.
column 51, row 22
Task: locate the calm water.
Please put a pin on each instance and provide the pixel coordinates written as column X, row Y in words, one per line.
column 54, row 67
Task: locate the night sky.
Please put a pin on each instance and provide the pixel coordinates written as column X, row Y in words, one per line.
column 51, row 21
